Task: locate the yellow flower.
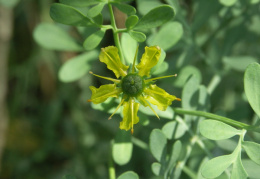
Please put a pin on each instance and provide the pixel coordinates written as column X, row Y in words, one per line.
column 135, row 87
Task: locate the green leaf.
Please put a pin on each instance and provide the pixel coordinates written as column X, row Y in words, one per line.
column 238, row 63
column 171, row 33
column 253, row 151
column 254, row 1
column 52, row 37
column 144, row 6
column 252, row 168
column 175, row 155
column 68, row 15
column 98, row 19
column 227, row 144
column 252, row 86
column 122, row 147
column 80, row 3
column 96, row 10
column 77, row 67
column 138, row 36
column 185, row 73
column 156, row 17
column 174, row 130
column 238, row 171
column 128, row 175
column 129, row 46
column 94, row 39
column 131, row 21
column 161, row 69
column 190, row 93
column 216, row 130
column 156, row 168
column 228, row 2
column 125, row 8
column 9, row 3
column 157, row 144
column 214, row 167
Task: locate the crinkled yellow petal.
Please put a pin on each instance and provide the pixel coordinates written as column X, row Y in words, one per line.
column 129, row 114
column 100, row 94
column 110, row 57
column 149, row 59
column 159, row 97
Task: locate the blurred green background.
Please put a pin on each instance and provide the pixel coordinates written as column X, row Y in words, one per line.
column 47, row 128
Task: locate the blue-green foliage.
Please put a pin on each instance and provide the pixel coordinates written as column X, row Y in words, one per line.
column 213, row 46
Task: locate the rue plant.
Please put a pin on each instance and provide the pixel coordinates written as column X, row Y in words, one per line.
column 172, row 143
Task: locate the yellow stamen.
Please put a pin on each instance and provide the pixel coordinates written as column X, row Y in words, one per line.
column 152, row 79
column 178, row 99
column 120, row 104
column 133, row 67
column 107, row 78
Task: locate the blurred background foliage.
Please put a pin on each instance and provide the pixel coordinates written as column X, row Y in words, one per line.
column 53, row 131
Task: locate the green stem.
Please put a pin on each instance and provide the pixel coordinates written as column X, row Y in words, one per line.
column 115, row 33
column 218, row 118
column 140, row 143
column 214, row 83
column 189, row 172
column 111, row 167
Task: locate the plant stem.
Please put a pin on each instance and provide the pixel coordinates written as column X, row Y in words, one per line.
column 189, row 172
column 214, row 83
column 218, row 118
column 111, row 167
column 140, row 143
column 115, row 33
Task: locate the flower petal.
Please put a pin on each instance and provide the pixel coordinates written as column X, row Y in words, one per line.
column 100, row 94
column 129, row 114
column 149, row 59
column 159, row 97
column 110, row 57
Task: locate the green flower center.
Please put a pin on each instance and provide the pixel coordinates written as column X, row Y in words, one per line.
column 132, row 85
